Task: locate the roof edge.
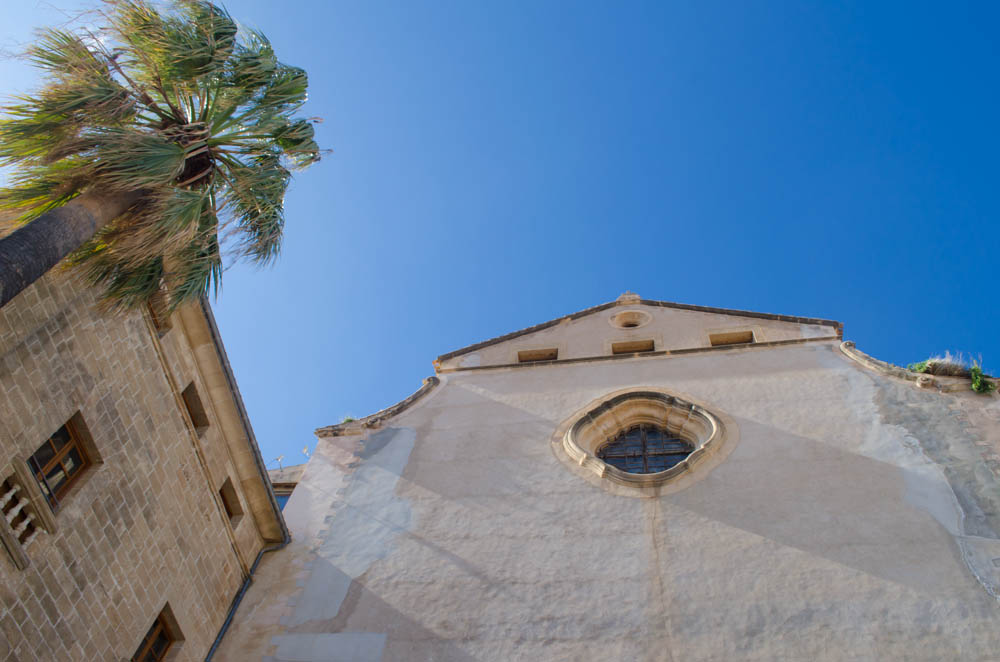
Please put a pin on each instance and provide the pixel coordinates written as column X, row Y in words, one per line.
column 251, row 437
column 530, row 329
column 379, row 417
column 943, row 383
column 839, row 326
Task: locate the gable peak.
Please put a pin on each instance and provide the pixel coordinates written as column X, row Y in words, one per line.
column 628, row 298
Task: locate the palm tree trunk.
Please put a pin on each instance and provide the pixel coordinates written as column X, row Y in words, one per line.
column 30, row 251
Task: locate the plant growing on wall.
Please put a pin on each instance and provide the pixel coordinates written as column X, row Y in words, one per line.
column 980, row 384
column 947, row 365
column 955, row 366
column 172, row 132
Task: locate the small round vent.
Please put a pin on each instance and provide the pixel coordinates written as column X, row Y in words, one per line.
column 630, row 319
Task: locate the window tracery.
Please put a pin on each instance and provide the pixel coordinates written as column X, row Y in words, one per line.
column 645, row 449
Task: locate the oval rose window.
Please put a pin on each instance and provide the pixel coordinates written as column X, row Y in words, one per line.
column 640, row 437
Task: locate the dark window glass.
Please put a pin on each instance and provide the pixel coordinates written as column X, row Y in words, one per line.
column 644, row 449
column 160, row 643
column 60, row 438
column 44, row 454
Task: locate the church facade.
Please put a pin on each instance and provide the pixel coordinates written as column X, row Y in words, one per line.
column 651, row 481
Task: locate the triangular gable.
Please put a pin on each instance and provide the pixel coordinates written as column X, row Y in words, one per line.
column 727, row 318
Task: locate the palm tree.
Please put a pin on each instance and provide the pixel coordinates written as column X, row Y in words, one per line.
column 155, row 141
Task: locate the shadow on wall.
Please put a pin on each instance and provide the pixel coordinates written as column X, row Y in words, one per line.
column 346, row 637
column 841, row 506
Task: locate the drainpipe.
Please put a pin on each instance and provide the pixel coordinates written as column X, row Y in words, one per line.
column 239, row 596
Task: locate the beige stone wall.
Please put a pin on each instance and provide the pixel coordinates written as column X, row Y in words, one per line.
column 849, row 516
column 146, row 526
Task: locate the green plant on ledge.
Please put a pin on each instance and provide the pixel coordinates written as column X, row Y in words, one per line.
column 945, row 366
column 956, row 366
column 980, row 384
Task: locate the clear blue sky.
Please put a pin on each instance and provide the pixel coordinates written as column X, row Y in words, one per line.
column 498, row 164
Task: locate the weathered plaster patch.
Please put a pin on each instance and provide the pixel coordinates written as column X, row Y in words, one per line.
column 940, row 461
column 470, row 361
column 359, row 532
column 945, row 441
column 322, row 593
column 371, row 515
column 926, row 489
column 885, row 439
column 815, row 331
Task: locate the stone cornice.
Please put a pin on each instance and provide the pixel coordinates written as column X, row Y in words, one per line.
column 643, row 355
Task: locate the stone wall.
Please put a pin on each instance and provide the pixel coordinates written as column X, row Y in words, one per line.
column 145, row 526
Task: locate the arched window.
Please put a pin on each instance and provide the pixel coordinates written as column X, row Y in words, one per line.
column 644, row 449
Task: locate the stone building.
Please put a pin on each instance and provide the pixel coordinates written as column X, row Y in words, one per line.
column 645, row 481
column 134, row 498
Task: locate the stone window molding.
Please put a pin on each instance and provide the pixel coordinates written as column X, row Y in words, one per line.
column 536, row 352
column 162, row 640
column 231, row 502
column 735, row 336
column 579, row 439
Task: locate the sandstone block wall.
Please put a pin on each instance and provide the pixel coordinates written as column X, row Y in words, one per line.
column 145, row 526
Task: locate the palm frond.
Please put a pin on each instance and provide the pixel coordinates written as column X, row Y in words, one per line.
column 64, row 55
column 35, row 190
column 298, row 141
column 256, row 193
column 27, row 134
column 133, row 161
column 180, row 105
column 286, row 90
column 199, row 267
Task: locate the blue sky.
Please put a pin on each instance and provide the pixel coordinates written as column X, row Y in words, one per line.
column 498, row 164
